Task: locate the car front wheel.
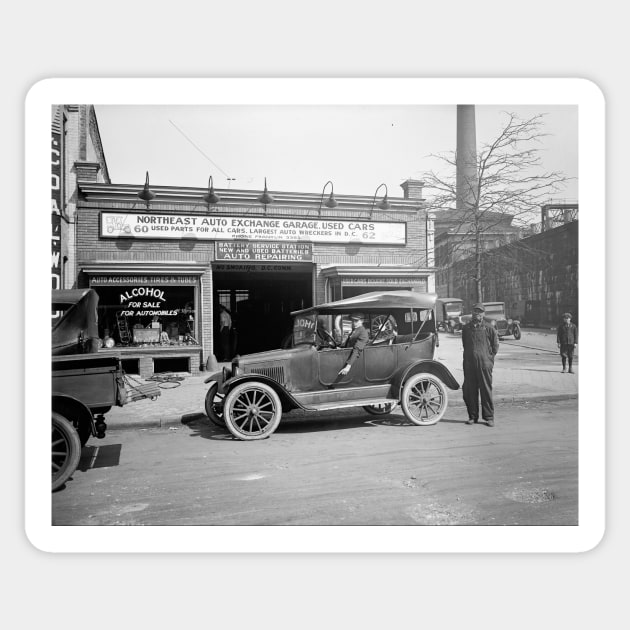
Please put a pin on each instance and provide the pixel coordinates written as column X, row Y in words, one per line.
column 424, row 399
column 66, row 450
column 214, row 406
column 252, row 411
column 517, row 332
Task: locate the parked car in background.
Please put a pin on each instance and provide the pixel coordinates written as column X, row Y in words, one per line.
column 495, row 315
column 448, row 312
column 396, row 367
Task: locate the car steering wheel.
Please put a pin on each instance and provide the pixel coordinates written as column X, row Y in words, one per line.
column 330, row 340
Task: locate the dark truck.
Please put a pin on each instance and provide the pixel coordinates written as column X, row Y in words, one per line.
column 85, row 384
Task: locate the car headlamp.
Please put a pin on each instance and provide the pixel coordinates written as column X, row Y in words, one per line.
column 509, row 321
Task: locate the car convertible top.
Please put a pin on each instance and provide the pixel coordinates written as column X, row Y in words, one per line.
column 375, row 302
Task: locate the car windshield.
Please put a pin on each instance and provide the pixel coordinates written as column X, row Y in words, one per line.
column 453, row 309
column 304, row 329
column 321, row 329
column 494, row 310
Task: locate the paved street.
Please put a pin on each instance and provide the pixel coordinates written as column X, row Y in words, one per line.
column 343, row 467
column 335, row 469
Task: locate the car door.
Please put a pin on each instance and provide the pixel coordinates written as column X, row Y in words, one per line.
column 329, row 363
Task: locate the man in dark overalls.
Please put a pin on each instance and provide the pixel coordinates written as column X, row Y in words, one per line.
column 481, row 343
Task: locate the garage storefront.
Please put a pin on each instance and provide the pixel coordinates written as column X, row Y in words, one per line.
column 151, row 318
column 162, row 270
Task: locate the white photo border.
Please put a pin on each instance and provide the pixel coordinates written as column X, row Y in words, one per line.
column 339, row 539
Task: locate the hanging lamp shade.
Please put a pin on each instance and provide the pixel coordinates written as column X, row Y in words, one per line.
column 265, row 198
column 211, row 197
column 331, row 202
column 385, row 205
column 146, row 194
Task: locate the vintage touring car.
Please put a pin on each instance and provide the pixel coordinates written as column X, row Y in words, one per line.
column 396, row 367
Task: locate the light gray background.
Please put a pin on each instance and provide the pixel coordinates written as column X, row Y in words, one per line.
column 367, row 39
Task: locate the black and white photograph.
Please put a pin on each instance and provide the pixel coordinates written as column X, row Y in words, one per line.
column 350, row 315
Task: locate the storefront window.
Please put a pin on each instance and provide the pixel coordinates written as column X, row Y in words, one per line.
column 141, row 315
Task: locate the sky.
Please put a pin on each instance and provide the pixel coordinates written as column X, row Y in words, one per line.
column 299, row 148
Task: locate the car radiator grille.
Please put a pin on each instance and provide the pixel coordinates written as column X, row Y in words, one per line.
column 276, row 373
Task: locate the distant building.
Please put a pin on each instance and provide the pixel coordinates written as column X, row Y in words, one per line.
column 455, row 240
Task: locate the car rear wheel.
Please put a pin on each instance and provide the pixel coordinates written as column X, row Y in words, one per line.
column 214, row 406
column 252, row 411
column 381, row 409
column 66, row 450
column 424, row 399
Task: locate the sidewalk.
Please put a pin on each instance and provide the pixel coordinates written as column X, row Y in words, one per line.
column 515, row 380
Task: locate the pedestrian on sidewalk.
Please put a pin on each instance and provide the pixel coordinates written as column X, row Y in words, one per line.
column 481, row 343
column 567, row 339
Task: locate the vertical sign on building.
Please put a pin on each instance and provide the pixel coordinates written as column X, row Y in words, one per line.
column 55, row 184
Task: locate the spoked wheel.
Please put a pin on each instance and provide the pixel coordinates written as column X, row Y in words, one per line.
column 66, row 450
column 252, row 411
column 214, row 406
column 424, row 399
column 381, row 409
column 517, row 333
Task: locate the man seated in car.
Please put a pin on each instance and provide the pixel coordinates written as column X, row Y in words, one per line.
column 357, row 340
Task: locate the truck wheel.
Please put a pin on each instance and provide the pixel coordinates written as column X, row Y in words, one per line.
column 381, row 409
column 424, row 399
column 66, row 450
column 517, row 332
column 214, row 406
column 252, row 411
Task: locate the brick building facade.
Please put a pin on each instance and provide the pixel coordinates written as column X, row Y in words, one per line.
column 177, row 258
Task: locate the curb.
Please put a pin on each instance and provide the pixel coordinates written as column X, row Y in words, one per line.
column 518, row 398
column 157, row 423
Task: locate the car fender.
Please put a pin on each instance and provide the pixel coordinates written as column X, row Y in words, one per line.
column 427, row 365
column 216, row 376
column 287, row 399
column 73, row 410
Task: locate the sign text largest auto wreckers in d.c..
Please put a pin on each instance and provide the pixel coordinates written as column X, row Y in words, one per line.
column 165, row 226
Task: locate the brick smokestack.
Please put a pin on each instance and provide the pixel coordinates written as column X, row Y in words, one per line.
column 466, row 157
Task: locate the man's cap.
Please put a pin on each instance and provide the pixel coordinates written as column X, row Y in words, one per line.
column 567, row 315
column 479, row 307
column 357, row 316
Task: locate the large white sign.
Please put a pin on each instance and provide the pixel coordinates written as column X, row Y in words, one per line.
column 169, row 226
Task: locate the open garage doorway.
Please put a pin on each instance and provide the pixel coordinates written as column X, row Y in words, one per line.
column 260, row 299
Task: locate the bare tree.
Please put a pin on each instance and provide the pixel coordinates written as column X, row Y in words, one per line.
column 505, row 195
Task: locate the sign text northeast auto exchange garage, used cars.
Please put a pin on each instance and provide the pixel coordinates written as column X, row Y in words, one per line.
column 163, row 226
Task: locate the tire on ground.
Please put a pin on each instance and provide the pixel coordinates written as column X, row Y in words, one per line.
column 66, row 450
column 212, row 411
column 424, row 399
column 252, row 411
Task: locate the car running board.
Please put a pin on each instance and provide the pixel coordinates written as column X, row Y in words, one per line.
column 340, row 404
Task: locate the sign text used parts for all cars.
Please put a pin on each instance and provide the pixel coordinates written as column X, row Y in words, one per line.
column 134, row 225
